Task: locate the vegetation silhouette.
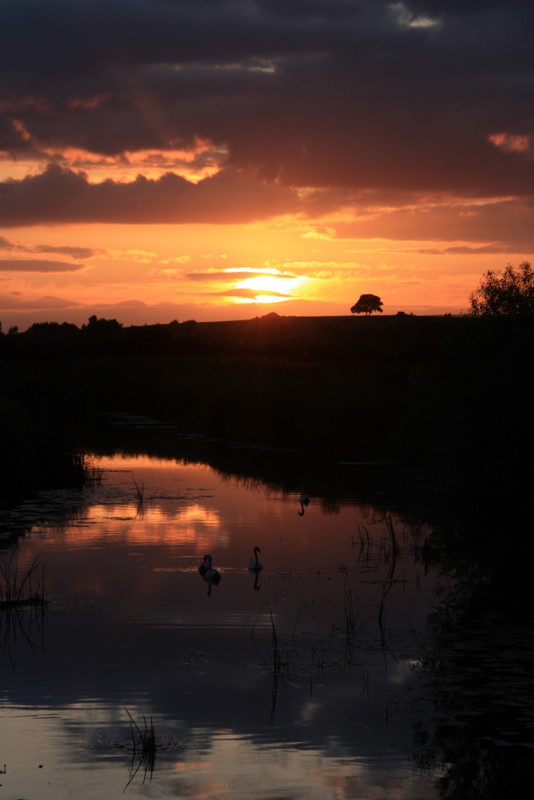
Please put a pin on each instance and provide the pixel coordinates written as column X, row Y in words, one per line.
column 367, row 304
column 439, row 393
column 510, row 292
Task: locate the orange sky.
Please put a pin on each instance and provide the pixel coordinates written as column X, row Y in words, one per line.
column 222, row 166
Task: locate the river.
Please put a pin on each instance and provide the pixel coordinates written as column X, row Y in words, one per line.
column 329, row 673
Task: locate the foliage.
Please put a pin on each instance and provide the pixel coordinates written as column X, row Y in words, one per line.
column 102, row 324
column 367, row 304
column 508, row 292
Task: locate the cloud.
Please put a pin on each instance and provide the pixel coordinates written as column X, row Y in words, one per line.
column 505, row 223
column 60, row 195
column 131, row 304
column 222, row 275
column 421, row 95
column 37, row 265
column 74, row 252
column 249, row 293
column 237, row 275
column 464, row 250
column 46, row 303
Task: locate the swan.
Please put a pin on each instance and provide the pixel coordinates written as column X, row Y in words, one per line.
column 208, row 571
column 255, row 564
column 304, row 500
column 212, row 576
column 204, row 565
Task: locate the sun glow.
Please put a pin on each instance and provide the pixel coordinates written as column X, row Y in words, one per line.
column 272, row 286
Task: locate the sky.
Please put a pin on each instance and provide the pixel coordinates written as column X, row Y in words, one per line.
column 211, row 160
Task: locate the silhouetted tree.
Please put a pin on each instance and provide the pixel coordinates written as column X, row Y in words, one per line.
column 367, row 304
column 102, row 325
column 508, row 292
column 52, row 330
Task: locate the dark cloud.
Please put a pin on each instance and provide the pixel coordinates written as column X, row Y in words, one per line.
column 368, row 94
column 36, row 265
column 62, row 195
column 73, row 252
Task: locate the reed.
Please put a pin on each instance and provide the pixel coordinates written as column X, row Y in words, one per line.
column 391, row 531
column 21, row 624
column 139, row 495
column 275, row 649
column 364, row 542
column 349, row 626
column 143, row 748
column 19, row 590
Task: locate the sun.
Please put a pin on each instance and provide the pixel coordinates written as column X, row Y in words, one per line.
column 272, row 286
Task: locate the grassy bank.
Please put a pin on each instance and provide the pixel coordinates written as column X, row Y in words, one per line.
column 444, row 391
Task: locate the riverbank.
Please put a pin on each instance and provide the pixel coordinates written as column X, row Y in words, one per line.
column 446, row 393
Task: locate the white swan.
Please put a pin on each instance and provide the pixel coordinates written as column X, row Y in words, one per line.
column 255, row 564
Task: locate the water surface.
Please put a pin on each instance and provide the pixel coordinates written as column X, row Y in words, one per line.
column 304, row 680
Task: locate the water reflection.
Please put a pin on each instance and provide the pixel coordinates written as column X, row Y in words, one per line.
column 304, row 502
column 21, row 628
column 321, row 684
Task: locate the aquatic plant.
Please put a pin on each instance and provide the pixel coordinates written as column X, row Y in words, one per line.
column 18, row 590
column 143, row 748
column 391, row 531
column 275, row 648
column 139, row 494
column 350, row 624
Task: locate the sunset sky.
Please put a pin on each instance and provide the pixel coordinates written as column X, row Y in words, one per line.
column 209, row 160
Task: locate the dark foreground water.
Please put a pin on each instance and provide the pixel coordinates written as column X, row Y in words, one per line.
column 343, row 669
